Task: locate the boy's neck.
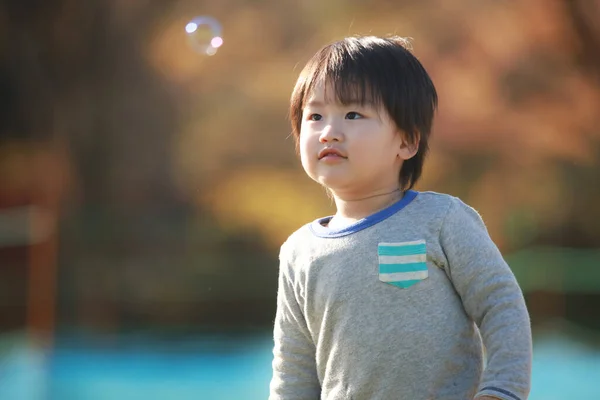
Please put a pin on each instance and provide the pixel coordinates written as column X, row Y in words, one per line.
column 351, row 209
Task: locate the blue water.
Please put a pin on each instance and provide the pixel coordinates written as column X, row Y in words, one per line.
column 563, row 369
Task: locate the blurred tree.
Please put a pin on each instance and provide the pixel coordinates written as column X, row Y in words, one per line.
column 173, row 176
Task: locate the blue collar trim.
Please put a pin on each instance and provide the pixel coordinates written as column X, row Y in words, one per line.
column 318, row 226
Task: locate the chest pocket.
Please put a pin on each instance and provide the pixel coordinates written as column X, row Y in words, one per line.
column 402, row 264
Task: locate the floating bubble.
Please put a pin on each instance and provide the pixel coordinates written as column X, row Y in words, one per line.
column 205, row 34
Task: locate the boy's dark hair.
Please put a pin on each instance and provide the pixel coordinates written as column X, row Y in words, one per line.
column 380, row 71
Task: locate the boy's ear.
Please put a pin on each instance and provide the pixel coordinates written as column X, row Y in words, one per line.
column 408, row 148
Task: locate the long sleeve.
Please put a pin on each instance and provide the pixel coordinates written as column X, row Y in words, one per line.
column 294, row 365
column 493, row 299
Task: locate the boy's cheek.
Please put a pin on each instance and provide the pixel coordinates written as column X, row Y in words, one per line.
column 307, row 149
column 307, row 163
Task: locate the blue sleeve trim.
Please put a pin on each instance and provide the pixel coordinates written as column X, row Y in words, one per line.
column 506, row 392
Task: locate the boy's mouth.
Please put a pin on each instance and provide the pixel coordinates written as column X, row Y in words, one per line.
column 331, row 152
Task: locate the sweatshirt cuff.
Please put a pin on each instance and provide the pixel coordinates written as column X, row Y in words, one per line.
column 499, row 393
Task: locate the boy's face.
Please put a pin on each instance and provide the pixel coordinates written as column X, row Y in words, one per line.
column 367, row 150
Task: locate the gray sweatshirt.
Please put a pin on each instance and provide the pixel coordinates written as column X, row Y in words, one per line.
column 400, row 306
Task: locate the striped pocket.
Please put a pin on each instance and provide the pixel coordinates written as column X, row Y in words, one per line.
column 402, row 264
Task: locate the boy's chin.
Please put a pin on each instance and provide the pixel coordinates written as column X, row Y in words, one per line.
column 334, row 183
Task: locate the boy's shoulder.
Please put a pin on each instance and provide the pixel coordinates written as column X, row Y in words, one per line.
column 456, row 215
column 446, row 205
column 436, row 203
column 300, row 235
column 436, row 198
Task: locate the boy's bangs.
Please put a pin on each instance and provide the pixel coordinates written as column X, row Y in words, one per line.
column 351, row 81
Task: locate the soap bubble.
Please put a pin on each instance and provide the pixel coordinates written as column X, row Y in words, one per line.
column 205, row 34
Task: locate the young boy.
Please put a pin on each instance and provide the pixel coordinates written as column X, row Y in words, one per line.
column 396, row 295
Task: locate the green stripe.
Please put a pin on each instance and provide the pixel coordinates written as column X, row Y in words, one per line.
column 407, row 250
column 405, row 284
column 410, row 267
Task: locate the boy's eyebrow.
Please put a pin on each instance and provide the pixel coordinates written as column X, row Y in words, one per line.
column 318, row 103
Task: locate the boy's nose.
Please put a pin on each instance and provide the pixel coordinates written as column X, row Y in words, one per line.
column 330, row 133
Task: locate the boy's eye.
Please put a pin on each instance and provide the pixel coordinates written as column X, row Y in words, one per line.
column 353, row 115
column 315, row 117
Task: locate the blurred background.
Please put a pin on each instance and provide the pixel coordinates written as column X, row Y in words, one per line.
column 148, row 178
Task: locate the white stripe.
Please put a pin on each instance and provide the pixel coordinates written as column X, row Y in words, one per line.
column 400, row 244
column 412, row 258
column 403, row 276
